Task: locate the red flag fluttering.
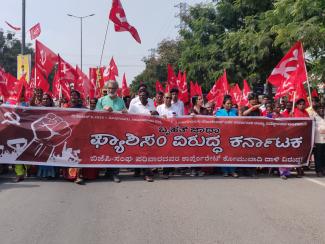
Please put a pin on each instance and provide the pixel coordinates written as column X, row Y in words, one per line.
column 314, row 93
column 82, row 84
column 195, row 89
column 182, row 86
column 15, row 88
column 198, row 89
column 15, row 28
column 192, row 89
column 125, row 89
column 159, row 87
column 290, row 73
column 110, row 71
column 293, row 63
column 299, row 93
column 64, row 78
column 171, row 79
column 11, row 88
column 118, row 17
column 236, row 94
column 39, row 81
column 35, row 31
column 246, row 91
column 45, row 59
column 3, row 83
column 219, row 89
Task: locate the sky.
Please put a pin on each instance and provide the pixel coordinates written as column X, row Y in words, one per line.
column 154, row 19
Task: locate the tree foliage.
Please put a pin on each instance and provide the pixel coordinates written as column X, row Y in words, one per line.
column 168, row 52
column 10, row 48
column 245, row 37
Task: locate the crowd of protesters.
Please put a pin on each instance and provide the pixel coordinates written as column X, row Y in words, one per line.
column 168, row 105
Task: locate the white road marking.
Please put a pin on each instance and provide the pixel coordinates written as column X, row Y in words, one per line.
column 316, row 181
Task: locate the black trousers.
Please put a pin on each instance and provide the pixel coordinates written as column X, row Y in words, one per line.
column 320, row 157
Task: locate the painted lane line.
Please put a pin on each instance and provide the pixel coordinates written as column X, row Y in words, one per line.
column 316, row 181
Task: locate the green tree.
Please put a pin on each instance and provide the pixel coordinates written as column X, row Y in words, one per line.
column 10, row 48
column 224, row 36
column 304, row 20
column 168, row 52
column 245, row 37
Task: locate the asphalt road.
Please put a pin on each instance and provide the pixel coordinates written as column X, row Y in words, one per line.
column 179, row 210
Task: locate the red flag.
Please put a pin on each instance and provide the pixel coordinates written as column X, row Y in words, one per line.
column 110, row 71
column 236, row 94
column 293, row 62
column 300, row 92
column 192, row 89
column 35, row 31
column 314, row 93
column 246, row 91
column 159, row 87
column 118, row 17
column 220, row 88
column 285, row 88
column 179, row 79
column 45, row 59
column 183, row 90
column 82, row 83
column 125, row 90
column 198, row 90
column 61, row 87
column 66, row 71
column 40, row 81
column 3, row 83
column 171, row 79
column 13, row 27
column 14, row 88
column 94, row 90
column 65, row 77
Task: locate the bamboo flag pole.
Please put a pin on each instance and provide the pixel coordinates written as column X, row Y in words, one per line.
column 103, row 48
column 101, row 58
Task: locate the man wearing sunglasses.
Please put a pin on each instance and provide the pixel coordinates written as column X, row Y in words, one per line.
column 166, row 109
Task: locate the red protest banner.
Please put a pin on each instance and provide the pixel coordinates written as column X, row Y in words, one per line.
column 84, row 138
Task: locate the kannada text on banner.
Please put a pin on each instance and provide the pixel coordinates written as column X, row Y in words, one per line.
column 84, row 138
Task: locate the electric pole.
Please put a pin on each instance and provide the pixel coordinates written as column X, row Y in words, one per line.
column 183, row 10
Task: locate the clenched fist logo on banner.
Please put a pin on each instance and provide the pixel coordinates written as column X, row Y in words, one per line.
column 49, row 132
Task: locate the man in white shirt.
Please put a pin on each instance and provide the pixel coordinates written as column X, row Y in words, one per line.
column 166, row 109
column 143, row 107
column 177, row 104
column 141, row 88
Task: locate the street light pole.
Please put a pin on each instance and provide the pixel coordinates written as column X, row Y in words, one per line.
column 81, row 19
column 23, row 27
